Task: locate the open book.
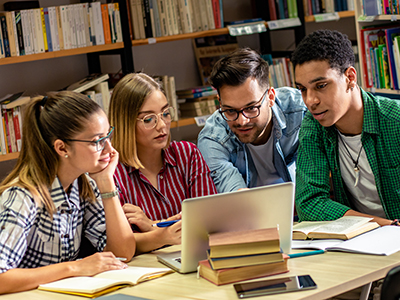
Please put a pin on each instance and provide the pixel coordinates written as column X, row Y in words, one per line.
column 381, row 241
column 105, row 282
column 344, row 228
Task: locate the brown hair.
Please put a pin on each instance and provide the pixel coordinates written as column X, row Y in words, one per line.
column 57, row 116
column 128, row 97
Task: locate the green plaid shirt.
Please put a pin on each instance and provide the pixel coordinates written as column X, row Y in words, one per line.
column 318, row 156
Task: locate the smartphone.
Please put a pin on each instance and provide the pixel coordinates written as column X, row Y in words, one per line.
column 274, row 286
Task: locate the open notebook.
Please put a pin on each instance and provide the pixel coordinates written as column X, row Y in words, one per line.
column 105, row 282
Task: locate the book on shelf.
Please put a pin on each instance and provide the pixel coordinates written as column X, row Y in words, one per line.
column 208, row 50
column 193, row 90
column 103, row 89
column 384, row 240
column 243, row 260
column 390, row 36
column 244, row 242
column 343, row 228
column 87, row 82
column 230, row 275
column 104, row 282
column 212, row 92
column 13, row 100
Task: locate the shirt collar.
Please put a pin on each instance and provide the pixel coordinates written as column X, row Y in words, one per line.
column 59, row 196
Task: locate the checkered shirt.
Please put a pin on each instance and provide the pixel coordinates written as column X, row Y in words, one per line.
column 318, row 156
column 29, row 238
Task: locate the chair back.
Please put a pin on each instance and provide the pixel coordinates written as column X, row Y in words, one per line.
column 391, row 285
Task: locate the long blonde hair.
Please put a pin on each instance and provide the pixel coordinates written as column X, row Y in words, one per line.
column 128, row 97
column 57, row 116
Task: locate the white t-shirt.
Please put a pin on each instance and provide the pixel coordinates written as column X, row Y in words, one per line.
column 263, row 158
column 364, row 196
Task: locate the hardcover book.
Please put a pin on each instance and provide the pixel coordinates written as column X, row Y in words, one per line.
column 244, row 260
column 245, row 242
column 229, row 275
column 344, row 228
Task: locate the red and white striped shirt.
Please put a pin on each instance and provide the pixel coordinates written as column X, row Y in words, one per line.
column 184, row 175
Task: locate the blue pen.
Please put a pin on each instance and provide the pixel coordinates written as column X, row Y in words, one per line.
column 293, row 255
column 165, row 224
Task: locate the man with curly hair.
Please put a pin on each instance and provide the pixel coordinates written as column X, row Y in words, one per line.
column 348, row 134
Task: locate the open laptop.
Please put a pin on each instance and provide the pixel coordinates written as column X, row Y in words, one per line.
column 255, row 208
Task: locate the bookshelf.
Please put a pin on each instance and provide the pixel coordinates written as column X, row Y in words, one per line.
column 342, row 14
column 361, row 21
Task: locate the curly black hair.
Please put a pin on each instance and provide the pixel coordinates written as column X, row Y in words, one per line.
column 325, row 45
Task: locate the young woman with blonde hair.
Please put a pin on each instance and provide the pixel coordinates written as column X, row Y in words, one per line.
column 154, row 174
column 48, row 202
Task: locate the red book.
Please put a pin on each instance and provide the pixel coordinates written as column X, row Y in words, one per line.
column 272, row 10
column 216, row 12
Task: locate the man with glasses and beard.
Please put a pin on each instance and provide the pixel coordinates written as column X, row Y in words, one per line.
column 252, row 139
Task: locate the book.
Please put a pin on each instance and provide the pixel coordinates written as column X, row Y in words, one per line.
column 102, row 88
column 197, row 94
column 196, row 89
column 13, row 100
column 244, row 260
column 344, row 228
column 384, row 240
column 234, row 243
column 390, row 35
column 104, row 282
column 229, row 275
column 87, row 82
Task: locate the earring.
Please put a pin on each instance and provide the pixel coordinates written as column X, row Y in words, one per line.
column 66, row 156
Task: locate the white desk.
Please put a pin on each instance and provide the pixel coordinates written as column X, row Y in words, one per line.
column 334, row 273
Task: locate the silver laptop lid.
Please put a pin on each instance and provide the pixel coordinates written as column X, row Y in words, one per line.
column 261, row 207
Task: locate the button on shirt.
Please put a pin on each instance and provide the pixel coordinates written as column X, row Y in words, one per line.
column 30, row 238
column 183, row 175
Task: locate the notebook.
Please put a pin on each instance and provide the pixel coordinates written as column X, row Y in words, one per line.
column 255, row 208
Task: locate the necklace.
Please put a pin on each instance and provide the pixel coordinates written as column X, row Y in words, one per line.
column 355, row 162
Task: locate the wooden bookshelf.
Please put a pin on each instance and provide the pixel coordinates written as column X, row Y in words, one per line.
column 61, row 53
column 342, row 14
column 183, row 122
column 9, row 156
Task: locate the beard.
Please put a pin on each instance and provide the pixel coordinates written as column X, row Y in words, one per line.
column 250, row 136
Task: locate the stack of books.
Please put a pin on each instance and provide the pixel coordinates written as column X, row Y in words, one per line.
column 243, row 255
column 197, row 101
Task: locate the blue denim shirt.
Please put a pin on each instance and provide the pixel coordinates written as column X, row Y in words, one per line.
column 229, row 159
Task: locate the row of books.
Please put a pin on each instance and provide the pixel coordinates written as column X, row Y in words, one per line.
column 156, row 18
column 11, row 122
column 282, row 9
column 197, row 101
column 243, row 255
column 381, row 7
column 281, row 72
column 380, row 56
column 56, row 28
column 313, row 7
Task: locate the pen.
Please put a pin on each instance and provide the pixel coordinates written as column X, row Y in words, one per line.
column 164, row 224
column 293, row 255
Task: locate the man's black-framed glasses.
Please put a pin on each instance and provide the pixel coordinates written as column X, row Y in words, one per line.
column 151, row 120
column 100, row 143
column 249, row 112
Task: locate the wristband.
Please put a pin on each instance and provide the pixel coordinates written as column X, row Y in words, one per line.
column 109, row 195
column 395, row 222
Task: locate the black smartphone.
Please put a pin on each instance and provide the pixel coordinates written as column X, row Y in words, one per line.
column 274, row 286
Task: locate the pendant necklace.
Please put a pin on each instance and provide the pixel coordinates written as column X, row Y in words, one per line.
column 355, row 162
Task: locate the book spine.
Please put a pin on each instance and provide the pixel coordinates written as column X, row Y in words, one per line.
column 10, row 31
column 19, row 31
column 5, row 132
column 17, row 129
column 43, row 22
column 7, row 52
column 217, row 19
column 111, row 17
column 147, row 18
column 210, row 14
column 106, row 23
column 163, row 17
column 26, row 32
column 118, row 22
column 39, row 31
column 98, row 23
column 48, row 29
